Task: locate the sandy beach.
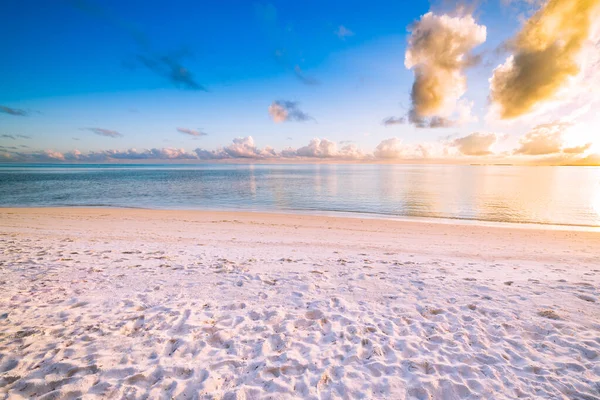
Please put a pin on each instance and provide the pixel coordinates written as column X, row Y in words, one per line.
column 134, row 304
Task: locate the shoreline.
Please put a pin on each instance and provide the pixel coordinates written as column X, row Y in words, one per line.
column 340, row 214
column 420, row 238
column 113, row 303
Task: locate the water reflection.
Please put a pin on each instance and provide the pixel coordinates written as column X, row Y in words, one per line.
column 555, row 195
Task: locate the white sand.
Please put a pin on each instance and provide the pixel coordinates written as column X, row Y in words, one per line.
column 173, row 304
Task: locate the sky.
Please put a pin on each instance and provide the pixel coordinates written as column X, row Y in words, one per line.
column 497, row 81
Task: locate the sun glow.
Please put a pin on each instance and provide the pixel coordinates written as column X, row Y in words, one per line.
column 584, row 133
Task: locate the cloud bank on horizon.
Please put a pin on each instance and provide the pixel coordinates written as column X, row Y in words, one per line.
column 544, row 140
column 530, row 97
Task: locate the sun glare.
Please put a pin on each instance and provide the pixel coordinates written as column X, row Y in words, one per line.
column 583, row 134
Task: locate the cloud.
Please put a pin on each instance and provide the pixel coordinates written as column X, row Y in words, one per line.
column 104, row 132
column 439, row 50
column 475, row 144
column 307, row 80
column 285, row 111
column 102, row 156
column 394, row 149
column 342, row 32
column 13, row 111
column 169, row 66
column 243, row 147
column 577, row 149
column 318, row 148
column 388, row 149
column 543, row 139
column 149, row 154
column 545, row 56
column 192, row 132
column 592, row 159
column 325, row 149
column 38, row 156
column 431, row 122
column 394, row 121
column 351, row 152
column 14, row 137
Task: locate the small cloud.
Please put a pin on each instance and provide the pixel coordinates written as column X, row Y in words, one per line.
column 9, row 137
column 325, row 149
column 192, row 132
column 24, row 136
column 285, row 111
column 342, row 32
column 104, row 132
column 307, row 80
column 13, row 111
column 542, row 140
column 475, row 144
column 318, row 148
column 390, row 149
column 243, row 147
column 170, row 68
column 577, row 149
column 75, row 138
column 394, row 149
column 394, row 121
column 430, row 122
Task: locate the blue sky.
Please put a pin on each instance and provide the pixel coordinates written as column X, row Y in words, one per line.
column 78, row 64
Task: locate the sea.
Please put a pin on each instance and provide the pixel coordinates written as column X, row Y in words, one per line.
column 540, row 195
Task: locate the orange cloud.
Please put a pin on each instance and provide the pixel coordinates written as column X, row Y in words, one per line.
column 544, row 56
column 439, row 49
column 475, row 144
column 548, row 139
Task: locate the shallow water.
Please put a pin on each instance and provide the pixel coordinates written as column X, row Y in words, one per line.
column 514, row 194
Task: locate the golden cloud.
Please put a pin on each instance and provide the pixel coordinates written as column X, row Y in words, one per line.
column 439, row 49
column 544, row 56
column 475, row 144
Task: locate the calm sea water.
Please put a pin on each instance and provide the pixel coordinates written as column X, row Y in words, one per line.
column 542, row 195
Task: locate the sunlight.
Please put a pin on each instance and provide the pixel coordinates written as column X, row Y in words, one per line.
column 584, row 133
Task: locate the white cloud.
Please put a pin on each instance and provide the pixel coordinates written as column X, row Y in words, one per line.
column 284, row 111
